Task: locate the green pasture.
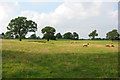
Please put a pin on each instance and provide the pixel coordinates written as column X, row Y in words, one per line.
column 59, row 59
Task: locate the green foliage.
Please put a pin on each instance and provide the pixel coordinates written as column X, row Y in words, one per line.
column 58, row 36
column 93, row 34
column 75, row 36
column 68, row 35
column 48, row 33
column 21, row 26
column 33, row 36
column 113, row 35
column 9, row 35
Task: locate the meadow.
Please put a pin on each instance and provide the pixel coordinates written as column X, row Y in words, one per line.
column 59, row 59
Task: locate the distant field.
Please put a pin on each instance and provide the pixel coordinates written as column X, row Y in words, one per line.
column 59, row 59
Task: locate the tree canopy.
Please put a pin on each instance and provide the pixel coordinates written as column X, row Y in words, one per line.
column 8, row 35
column 48, row 33
column 93, row 34
column 33, row 36
column 68, row 35
column 21, row 26
column 112, row 35
column 58, row 36
column 75, row 36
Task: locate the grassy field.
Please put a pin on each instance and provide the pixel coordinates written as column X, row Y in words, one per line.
column 59, row 59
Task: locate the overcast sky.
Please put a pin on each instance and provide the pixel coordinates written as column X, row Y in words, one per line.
column 64, row 16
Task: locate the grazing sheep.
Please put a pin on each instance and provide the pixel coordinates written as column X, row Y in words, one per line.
column 85, row 44
column 107, row 45
column 112, row 45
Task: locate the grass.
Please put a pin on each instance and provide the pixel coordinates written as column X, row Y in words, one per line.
column 59, row 59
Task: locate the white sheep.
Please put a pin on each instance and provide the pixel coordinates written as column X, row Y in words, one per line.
column 85, row 44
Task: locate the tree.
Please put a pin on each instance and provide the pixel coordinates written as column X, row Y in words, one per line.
column 33, row 36
column 68, row 35
column 58, row 36
column 93, row 34
column 75, row 36
column 48, row 33
column 21, row 26
column 112, row 35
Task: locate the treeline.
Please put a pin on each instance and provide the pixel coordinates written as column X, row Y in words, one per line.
column 68, row 35
column 19, row 27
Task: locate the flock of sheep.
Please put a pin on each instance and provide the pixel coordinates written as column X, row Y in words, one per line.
column 107, row 45
column 110, row 45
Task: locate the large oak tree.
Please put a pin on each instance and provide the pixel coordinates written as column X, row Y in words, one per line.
column 21, row 26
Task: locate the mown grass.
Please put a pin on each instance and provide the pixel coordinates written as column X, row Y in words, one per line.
column 59, row 59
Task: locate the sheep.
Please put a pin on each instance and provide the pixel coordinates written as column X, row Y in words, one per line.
column 85, row 44
column 112, row 45
column 107, row 45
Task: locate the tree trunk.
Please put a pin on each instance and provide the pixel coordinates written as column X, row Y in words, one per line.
column 93, row 38
column 20, row 39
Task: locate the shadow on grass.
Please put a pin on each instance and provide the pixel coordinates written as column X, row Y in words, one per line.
column 18, row 64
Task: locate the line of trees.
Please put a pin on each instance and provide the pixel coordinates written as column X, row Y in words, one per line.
column 19, row 27
column 68, row 35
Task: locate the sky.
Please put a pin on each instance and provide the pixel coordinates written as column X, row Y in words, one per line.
column 64, row 16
